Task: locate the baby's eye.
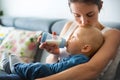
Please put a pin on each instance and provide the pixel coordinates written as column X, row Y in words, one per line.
column 73, row 37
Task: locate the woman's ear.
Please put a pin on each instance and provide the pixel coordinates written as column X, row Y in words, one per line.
column 86, row 48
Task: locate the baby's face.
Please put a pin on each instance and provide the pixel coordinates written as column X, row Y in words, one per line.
column 74, row 43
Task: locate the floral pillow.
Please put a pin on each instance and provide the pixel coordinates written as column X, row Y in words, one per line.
column 4, row 31
column 21, row 43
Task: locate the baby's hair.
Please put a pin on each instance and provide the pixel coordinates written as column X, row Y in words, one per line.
column 92, row 36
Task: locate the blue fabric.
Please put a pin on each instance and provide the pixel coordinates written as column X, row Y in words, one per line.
column 10, row 77
column 58, row 26
column 32, row 71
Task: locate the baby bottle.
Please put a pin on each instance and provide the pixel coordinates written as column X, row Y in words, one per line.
column 49, row 38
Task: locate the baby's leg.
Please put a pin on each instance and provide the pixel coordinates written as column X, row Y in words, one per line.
column 10, row 77
column 32, row 71
column 8, row 61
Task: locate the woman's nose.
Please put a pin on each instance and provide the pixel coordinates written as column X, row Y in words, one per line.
column 84, row 21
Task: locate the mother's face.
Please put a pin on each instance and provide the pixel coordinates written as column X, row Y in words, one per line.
column 85, row 13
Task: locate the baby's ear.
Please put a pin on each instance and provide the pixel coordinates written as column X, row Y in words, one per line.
column 86, row 48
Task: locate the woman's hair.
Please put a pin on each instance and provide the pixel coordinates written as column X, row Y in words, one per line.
column 96, row 2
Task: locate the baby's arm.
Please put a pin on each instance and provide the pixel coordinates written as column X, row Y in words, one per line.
column 68, row 62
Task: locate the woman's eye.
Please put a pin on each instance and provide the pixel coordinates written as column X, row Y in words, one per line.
column 76, row 15
column 90, row 14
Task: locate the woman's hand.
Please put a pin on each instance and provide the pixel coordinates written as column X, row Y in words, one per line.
column 39, row 38
column 50, row 47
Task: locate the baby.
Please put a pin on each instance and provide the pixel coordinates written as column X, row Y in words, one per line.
column 81, row 45
column 86, row 40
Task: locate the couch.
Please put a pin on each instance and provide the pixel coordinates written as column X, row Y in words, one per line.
column 49, row 25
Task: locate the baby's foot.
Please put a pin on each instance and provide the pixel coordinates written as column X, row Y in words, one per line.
column 5, row 62
column 13, row 59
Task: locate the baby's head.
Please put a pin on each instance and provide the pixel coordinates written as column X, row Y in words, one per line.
column 86, row 40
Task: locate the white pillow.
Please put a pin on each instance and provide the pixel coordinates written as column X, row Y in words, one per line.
column 4, row 31
column 21, row 43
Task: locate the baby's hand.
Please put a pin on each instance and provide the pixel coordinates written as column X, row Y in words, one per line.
column 52, row 48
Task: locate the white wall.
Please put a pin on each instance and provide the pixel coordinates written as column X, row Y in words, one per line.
column 110, row 11
column 36, row 8
column 0, row 5
column 55, row 9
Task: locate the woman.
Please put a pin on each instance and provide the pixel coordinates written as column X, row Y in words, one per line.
column 86, row 12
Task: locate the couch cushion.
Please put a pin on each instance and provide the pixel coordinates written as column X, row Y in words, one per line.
column 110, row 72
column 58, row 25
column 117, row 75
column 34, row 23
column 112, row 24
column 7, row 21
